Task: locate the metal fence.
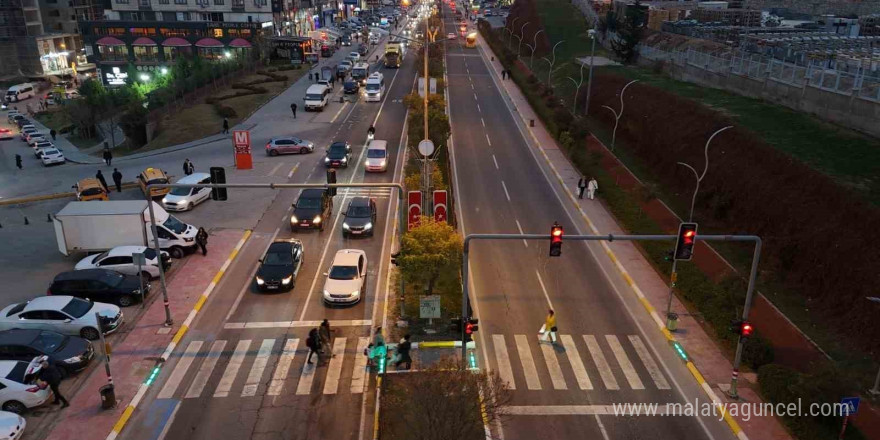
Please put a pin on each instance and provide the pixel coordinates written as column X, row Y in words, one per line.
column 861, row 83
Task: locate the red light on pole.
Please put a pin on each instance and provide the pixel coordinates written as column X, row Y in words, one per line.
column 556, row 233
column 746, row 330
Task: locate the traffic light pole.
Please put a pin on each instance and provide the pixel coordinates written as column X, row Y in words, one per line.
column 753, row 274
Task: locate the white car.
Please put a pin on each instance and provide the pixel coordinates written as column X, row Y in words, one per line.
column 51, row 156
column 354, row 57
column 11, row 426
column 37, row 147
column 185, row 199
column 119, row 259
column 346, row 282
column 26, row 130
column 19, row 391
column 33, row 138
column 63, row 314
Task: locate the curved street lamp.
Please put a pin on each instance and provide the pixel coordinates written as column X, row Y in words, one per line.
column 577, row 90
column 533, row 47
column 506, row 28
column 550, row 72
column 519, row 47
column 618, row 115
column 705, row 168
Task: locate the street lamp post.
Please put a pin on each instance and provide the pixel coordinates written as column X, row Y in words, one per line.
column 592, row 33
column 519, row 46
column 577, row 90
column 876, row 390
column 617, row 115
column 510, row 39
column 550, row 72
column 533, row 47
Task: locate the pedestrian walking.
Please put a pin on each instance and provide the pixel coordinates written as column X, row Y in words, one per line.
column 548, row 330
column 582, row 185
column 51, row 375
column 326, row 334
column 18, row 161
column 117, row 179
column 202, row 240
column 108, row 156
column 592, row 187
column 378, row 338
column 314, row 344
column 52, row 133
column 100, row 177
column 403, row 356
column 293, row 109
column 188, row 167
column 503, row 74
column 225, row 126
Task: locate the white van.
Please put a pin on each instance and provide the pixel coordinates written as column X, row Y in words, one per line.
column 20, row 92
column 377, row 156
column 184, row 199
column 317, row 97
column 375, row 87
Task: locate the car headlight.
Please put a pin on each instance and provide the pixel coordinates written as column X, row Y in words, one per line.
column 369, row 225
column 345, row 226
column 287, row 280
column 189, row 240
column 344, row 160
column 355, row 293
column 73, row 360
column 260, row 281
column 326, row 160
column 293, row 219
column 382, row 164
column 317, row 219
column 326, row 293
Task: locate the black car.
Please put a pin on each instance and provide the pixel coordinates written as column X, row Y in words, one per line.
column 360, row 217
column 280, row 266
column 346, row 40
column 99, row 285
column 351, row 87
column 69, row 353
column 311, row 210
column 363, row 49
column 338, row 155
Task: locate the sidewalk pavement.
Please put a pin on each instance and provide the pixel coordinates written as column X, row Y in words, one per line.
column 706, row 355
column 135, row 356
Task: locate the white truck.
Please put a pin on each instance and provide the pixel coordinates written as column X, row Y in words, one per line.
column 98, row 226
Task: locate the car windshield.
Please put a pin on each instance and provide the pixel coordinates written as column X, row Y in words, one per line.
column 314, row 97
column 159, row 181
column 92, row 191
column 17, row 372
column 49, row 342
column 16, row 309
column 359, row 72
column 358, row 211
column 375, row 153
column 373, row 87
column 180, row 191
column 77, row 307
column 308, row 203
column 174, row 224
column 50, row 151
column 101, row 256
column 343, row 273
column 278, row 259
column 337, row 151
column 149, row 253
column 351, row 85
column 110, row 278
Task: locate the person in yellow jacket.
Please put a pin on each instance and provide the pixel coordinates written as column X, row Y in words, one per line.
column 548, row 330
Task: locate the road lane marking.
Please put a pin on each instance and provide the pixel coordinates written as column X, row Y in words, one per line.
column 201, row 379
column 339, row 112
column 628, row 370
column 186, row 360
column 292, row 170
column 295, row 324
column 253, row 379
column 360, row 366
column 602, row 427
column 235, row 362
column 552, row 365
column 478, row 108
column 496, row 162
column 518, row 226
column 505, row 191
column 648, row 361
column 306, row 378
column 544, row 289
column 475, row 97
column 283, row 367
column 489, row 141
column 247, row 285
column 601, row 364
column 484, row 126
column 528, row 364
column 577, row 365
column 503, row 360
column 272, row 173
column 570, row 410
column 331, row 383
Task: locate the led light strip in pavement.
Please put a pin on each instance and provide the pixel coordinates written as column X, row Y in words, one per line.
column 295, row 324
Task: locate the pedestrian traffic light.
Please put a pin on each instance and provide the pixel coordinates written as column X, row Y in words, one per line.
column 331, row 179
column 556, row 240
column 455, row 324
column 687, row 238
column 470, row 327
column 218, row 177
column 745, row 330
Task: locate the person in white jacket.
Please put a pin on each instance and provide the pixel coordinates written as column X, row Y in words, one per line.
column 592, row 187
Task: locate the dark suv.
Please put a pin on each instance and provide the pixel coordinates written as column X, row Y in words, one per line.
column 338, row 155
column 69, row 353
column 311, row 210
column 360, row 217
column 100, row 285
column 351, row 87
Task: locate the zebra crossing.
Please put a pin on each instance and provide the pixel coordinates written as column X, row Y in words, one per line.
column 375, row 193
column 272, row 367
column 616, row 362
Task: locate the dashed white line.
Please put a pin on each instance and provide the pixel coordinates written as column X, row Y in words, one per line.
column 478, row 108
column 496, row 162
column 505, row 191
column 292, row 170
column 475, row 96
column 488, row 140
column 275, row 169
column 521, row 231
column 483, row 122
column 544, row 289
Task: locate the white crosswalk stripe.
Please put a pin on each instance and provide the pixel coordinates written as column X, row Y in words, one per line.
column 628, row 370
column 201, row 379
column 232, row 368
column 577, row 365
column 360, row 367
column 648, row 361
column 306, row 377
column 192, row 350
column 552, row 365
column 283, row 367
column 599, row 359
column 253, row 380
column 528, row 364
column 503, row 360
column 331, row 384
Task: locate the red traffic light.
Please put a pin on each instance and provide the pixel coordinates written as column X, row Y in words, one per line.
column 556, row 233
column 687, row 239
column 689, row 236
column 469, row 329
column 746, row 329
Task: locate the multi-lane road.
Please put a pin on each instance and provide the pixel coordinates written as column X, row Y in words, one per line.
column 609, row 351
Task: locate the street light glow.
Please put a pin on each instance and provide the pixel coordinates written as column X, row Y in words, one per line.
column 144, row 77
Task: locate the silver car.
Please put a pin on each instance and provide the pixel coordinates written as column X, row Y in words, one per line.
column 63, row 314
column 289, row 145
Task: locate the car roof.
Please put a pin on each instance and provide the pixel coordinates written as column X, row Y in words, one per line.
column 6, row 367
column 53, row 302
column 360, row 201
column 154, row 173
column 19, row 335
column 193, row 178
column 85, row 274
column 125, row 250
column 347, row 257
column 312, row 193
column 337, row 144
column 89, row 182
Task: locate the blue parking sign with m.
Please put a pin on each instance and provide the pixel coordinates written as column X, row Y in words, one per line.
column 849, row 406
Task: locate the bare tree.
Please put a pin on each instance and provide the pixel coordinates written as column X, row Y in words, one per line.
column 443, row 402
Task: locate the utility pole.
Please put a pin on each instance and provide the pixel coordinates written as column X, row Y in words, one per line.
column 426, row 175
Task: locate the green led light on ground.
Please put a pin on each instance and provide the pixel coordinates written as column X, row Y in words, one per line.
column 472, row 360
column 680, row 350
column 153, row 374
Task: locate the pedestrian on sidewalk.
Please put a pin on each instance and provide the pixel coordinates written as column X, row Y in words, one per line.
column 592, row 187
column 225, row 126
column 548, row 330
column 108, row 156
column 202, row 240
column 52, row 376
column 503, row 74
column 314, row 344
column 326, row 334
column 403, row 356
column 188, row 167
column 100, row 177
column 18, row 161
column 52, row 133
column 582, row 185
column 293, row 109
column 117, row 179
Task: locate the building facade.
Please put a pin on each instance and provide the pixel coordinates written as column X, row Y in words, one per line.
column 732, row 17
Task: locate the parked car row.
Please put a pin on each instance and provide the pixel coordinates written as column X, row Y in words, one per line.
column 41, row 146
